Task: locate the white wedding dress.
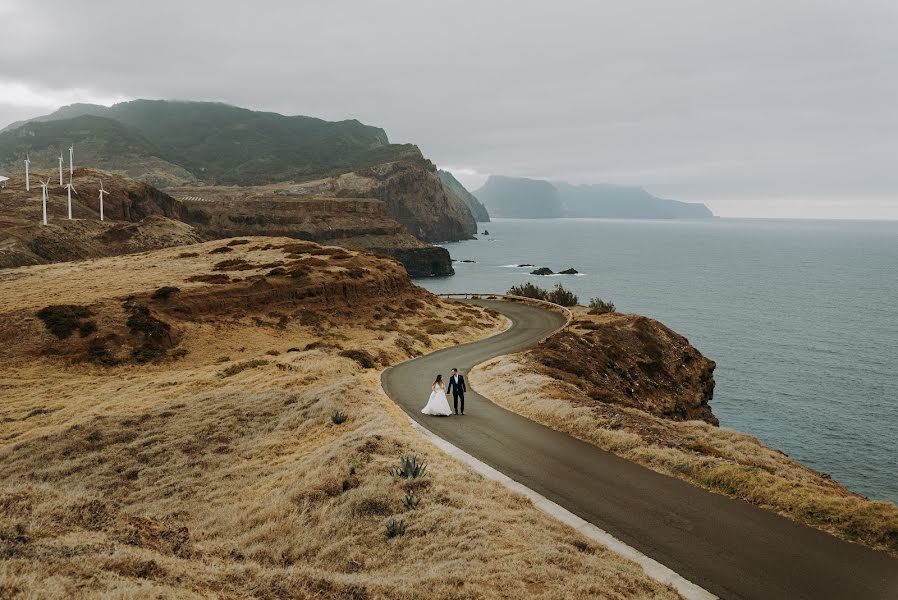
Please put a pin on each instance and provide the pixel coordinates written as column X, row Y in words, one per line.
column 437, row 404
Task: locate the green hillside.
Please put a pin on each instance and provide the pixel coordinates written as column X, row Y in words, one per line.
column 212, row 142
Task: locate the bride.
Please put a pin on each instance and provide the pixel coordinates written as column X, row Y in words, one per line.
column 438, row 404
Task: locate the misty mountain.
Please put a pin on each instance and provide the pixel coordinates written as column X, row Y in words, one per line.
column 535, row 199
column 200, row 141
column 477, row 209
column 519, row 197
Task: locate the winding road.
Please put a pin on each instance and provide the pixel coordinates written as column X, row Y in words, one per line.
column 728, row 547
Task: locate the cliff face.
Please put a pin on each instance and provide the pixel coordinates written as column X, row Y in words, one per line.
column 413, row 195
column 634, row 361
column 477, row 209
column 288, row 210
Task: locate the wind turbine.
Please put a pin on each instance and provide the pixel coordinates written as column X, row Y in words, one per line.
column 27, row 176
column 70, row 188
column 71, row 161
column 102, row 191
column 60, row 169
column 44, row 185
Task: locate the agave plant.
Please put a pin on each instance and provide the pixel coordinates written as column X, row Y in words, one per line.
column 395, row 528
column 409, row 468
column 411, row 500
column 338, row 417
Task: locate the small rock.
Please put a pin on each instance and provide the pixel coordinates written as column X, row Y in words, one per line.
column 485, row 232
column 525, row 265
column 571, row 271
column 542, row 271
column 467, row 260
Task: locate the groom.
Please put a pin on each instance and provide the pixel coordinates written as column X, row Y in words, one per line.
column 458, row 389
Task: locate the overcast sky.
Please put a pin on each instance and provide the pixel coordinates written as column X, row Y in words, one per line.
column 757, row 108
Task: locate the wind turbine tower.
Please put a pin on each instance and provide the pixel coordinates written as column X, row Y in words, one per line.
column 102, row 191
column 60, row 169
column 70, row 188
column 71, row 161
column 27, row 175
column 44, row 185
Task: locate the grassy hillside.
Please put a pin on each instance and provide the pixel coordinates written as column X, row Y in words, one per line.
column 180, row 443
column 207, row 141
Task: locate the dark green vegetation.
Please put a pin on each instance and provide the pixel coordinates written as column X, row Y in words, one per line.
column 395, row 528
column 338, row 417
column 63, row 319
column 477, row 209
column 537, row 199
column 156, row 334
column 597, row 306
column 409, row 468
column 216, row 143
column 560, row 295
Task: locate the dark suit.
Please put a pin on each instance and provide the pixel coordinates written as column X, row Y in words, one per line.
column 458, row 392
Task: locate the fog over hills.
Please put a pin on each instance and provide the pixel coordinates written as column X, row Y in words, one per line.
column 537, row 199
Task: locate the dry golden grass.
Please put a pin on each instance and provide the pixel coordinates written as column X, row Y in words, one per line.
column 716, row 458
column 170, row 480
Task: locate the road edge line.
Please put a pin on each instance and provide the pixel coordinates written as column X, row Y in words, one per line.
column 652, row 568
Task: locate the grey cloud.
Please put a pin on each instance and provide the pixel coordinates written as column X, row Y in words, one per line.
column 727, row 102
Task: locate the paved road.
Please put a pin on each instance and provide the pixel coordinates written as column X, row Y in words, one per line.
column 731, row 548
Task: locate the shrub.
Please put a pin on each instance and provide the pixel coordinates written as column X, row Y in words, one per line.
column 188, row 254
column 562, row 296
column 164, row 293
column 364, row 359
column 409, row 468
column 240, row 367
column 231, row 264
column 338, row 417
column 221, row 250
column 217, row 278
column 528, row 290
column 597, row 306
column 63, row 319
column 395, row 528
column 86, row 328
column 237, row 242
column 411, row 500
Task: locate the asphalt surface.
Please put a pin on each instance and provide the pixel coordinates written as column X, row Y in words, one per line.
column 729, row 547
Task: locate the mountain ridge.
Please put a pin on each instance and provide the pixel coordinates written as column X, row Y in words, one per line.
column 520, row 197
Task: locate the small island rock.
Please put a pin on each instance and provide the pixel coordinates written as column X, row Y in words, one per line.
column 571, row 271
column 542, row 271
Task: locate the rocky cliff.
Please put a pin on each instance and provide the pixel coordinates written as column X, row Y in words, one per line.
column 634, row 361
column 477, row 209
column 413, row 195
column 140, row 217
column 290, row 210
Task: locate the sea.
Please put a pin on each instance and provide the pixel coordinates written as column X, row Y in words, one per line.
column 801, row 317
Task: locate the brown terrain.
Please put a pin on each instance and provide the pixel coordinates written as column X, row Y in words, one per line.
column 373, row 209
column 168, row 429
column 138, row 217
column 630, row 385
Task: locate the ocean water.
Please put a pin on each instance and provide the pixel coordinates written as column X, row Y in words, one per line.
column 800, row 316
